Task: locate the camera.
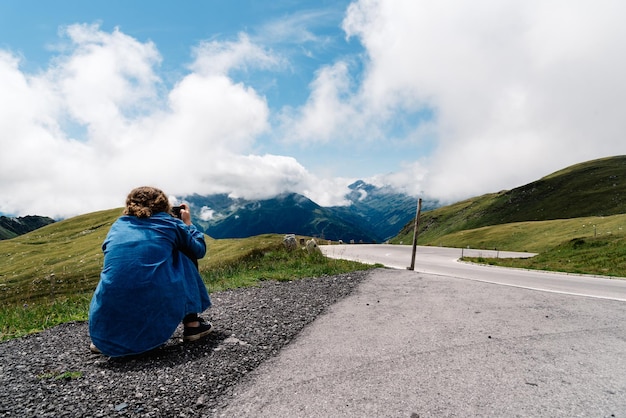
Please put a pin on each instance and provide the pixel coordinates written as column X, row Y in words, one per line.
column 176, row 211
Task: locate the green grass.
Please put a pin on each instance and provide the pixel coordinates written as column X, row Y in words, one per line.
column 534, row 236
column 57, row 261
column 604, row 256
column 592, row 245
column 273, row 263
column 17, row 321
column 47, row 277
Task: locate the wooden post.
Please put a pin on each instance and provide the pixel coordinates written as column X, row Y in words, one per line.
column 415, row 232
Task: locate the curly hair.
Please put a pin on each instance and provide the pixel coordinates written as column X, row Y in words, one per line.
column 145, row 201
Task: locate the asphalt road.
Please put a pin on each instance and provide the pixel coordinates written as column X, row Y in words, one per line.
column 444, row 262
column 445, row 341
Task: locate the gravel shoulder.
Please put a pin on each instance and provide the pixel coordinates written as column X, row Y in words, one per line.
column 53, row 373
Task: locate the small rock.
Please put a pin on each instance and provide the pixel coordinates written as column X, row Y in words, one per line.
column 121, row 406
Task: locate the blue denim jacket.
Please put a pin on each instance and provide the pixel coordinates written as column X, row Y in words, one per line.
column 147, row 284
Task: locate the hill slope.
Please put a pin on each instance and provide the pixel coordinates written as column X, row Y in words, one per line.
column 58, row 259
column 593, row 188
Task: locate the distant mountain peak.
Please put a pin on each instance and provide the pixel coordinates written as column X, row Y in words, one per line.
column 375, row 214
column 358, row 184
column 12, row 227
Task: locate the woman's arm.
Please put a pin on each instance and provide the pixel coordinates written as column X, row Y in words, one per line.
column 193, row 243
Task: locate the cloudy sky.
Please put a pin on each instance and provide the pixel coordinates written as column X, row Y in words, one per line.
column 443, row 99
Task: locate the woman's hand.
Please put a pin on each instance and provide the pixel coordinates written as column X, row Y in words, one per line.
column 185, row 214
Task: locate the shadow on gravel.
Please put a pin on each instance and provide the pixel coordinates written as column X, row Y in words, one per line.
column 174, row 352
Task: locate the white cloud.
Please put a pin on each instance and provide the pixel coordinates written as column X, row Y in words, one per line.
column 328, row 191
column 207, row 213
column 214, row 57
column 408, row 179
column 295, row 28
column 327, row 110
column 517, row 88
column 193, row 140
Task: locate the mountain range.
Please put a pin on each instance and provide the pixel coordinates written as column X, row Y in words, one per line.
column 12, row 227
column 374, row 214
column 378, row 214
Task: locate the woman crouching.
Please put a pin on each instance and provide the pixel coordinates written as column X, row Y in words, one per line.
column 149, row 282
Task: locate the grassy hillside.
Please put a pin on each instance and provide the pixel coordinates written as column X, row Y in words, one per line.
column 69, row 250
column 48, row 276
column 535, row 236
column 591, row 189
column 601, row 255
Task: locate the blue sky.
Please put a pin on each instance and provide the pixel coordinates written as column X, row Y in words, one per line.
column 445, row 100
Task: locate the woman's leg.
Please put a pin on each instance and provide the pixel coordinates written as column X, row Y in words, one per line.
column 191, row 320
